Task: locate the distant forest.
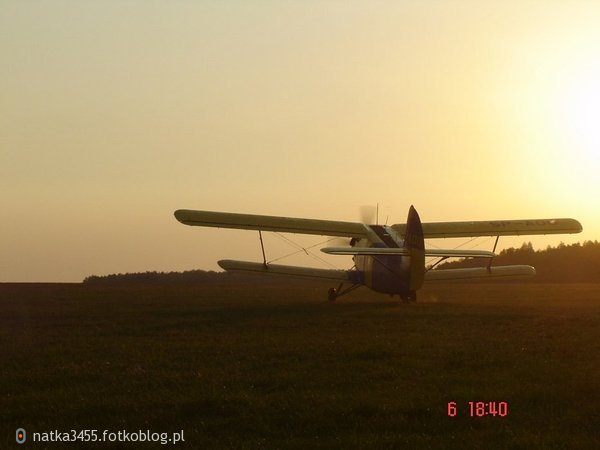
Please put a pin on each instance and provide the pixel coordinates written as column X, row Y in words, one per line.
column 576, row 263
column 186, row 277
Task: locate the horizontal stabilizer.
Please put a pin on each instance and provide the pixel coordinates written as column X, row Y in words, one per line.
column 403, row 251
column 520, row 271
column 276, row 269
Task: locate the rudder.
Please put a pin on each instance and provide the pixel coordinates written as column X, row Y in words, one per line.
column 414, row 242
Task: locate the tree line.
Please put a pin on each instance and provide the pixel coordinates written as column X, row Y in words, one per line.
column 185, row 277
column 575, row 263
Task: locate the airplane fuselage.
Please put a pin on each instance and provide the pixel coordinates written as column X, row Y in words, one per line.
column 389, row 274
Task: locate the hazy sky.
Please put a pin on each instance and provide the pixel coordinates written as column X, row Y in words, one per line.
column 113, row 114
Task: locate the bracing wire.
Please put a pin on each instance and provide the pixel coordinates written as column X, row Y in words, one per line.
column 305, row 250
column 478, row 244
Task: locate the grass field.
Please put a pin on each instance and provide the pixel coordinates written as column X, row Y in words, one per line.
column 258, row 366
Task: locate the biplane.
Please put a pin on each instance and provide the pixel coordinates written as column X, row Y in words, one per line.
column 387, row 259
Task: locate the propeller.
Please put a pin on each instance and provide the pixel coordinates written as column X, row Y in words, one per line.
column 367, row 215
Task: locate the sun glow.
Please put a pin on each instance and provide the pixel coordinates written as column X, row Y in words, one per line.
column 561, row 115
column 578, row 107
column 575, row 110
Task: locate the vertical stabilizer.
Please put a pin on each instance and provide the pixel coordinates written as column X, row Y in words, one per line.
column 415, row 243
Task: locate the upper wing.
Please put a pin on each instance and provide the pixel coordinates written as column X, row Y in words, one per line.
column 359, row 230
column 403, row 251
column 271, row 223
column 495, row 228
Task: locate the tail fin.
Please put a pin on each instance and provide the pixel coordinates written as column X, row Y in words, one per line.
column 414, row 242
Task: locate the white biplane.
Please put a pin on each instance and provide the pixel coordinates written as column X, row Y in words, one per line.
column 387, row 259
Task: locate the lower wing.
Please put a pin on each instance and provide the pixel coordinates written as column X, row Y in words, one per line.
column 352, row 276
column 520, row 271
column 343, row 276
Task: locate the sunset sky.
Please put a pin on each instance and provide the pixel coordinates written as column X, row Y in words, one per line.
column 113, row 114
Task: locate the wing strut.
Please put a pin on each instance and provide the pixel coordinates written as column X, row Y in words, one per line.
column 489, row 266
column 443, row 258
column 262, row 247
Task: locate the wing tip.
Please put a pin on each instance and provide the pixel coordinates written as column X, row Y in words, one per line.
column 180, row 215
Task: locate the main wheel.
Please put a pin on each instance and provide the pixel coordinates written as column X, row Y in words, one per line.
column 409, row 297
column 331, row 294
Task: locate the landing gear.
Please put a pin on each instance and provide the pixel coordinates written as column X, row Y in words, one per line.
column 333, row 293
column 411, row 296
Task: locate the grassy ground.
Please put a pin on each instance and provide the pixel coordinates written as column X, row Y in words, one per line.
column 275, row 367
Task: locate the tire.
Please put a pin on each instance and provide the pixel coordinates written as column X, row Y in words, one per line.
column 331, row 294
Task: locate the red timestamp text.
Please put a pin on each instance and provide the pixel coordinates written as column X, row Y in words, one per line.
column 478, row 409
